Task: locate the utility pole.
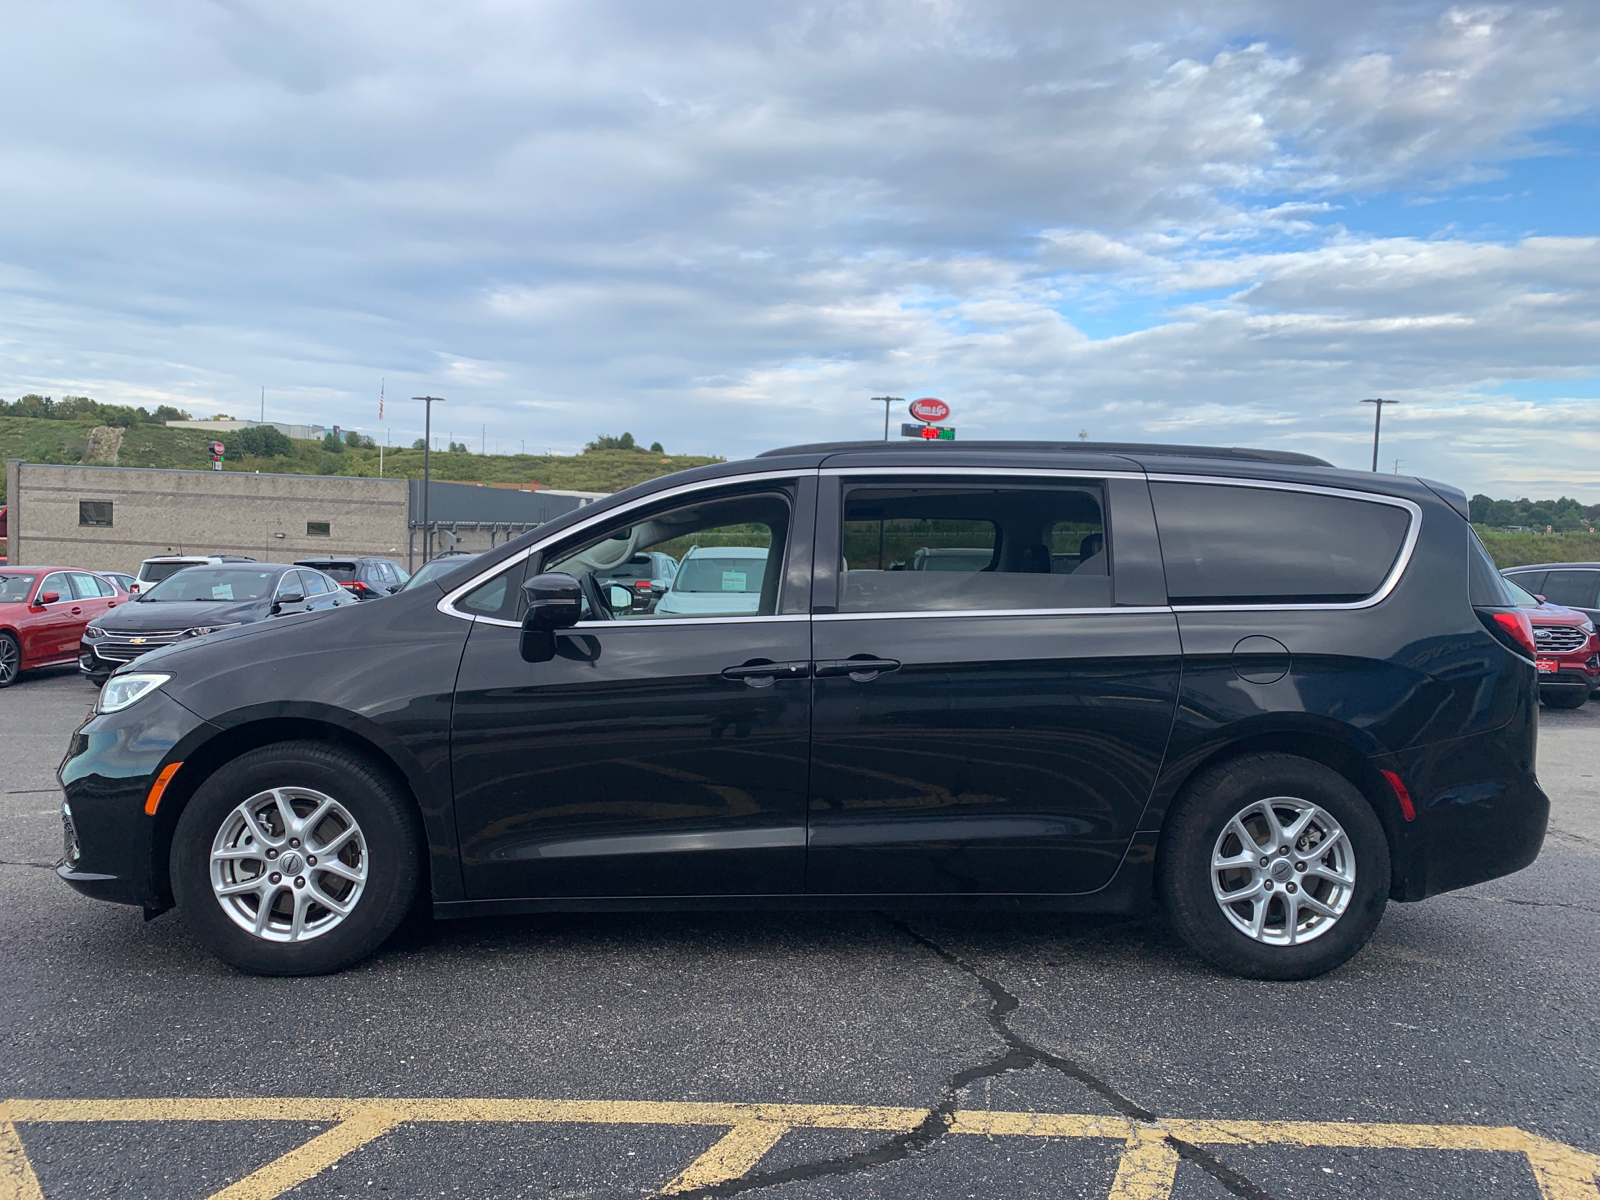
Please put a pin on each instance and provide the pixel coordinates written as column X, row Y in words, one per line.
column 1377, row 424
column 427, row 441
column 263, row 403
column 483, row 439
column 886, row 401
column 1397, row 466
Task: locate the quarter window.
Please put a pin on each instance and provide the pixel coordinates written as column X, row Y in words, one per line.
column 937, row 548
column 1225, row 544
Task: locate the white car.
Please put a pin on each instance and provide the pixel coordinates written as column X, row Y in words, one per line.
column 716, row 581
column 153, row 570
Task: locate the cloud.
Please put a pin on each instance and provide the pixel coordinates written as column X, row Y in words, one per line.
column 728, row 225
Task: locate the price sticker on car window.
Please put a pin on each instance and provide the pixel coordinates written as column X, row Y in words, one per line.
column 222, row 591
column 733, row 581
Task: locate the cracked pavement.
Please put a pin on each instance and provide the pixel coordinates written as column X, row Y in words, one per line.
column 1478, row 1008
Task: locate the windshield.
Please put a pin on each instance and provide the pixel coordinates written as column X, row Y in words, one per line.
column 713, row 573
column 15, row 588
column 436, row 567
column 212, row 583
column 1521, row 597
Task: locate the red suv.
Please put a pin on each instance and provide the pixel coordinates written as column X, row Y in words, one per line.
column 1568, row 650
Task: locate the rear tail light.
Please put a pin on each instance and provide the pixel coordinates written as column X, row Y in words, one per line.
column 643, row 585
column 355, row 585
column 1519, row 630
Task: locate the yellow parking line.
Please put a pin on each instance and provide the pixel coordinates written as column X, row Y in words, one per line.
column 312, row 1158
column 740, row 1149
column 17, row 1180
column 1145, row 1171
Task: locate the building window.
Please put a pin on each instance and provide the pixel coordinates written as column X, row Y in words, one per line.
column 318, row 529
column 94, row 512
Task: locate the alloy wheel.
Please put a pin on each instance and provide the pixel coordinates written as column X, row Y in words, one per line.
column 10, row 660
column 1283, row 871
column 288, row 864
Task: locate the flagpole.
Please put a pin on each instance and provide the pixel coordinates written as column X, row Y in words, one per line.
column 381, row 384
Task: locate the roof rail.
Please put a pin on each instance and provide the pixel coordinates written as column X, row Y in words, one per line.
column 1153, row 448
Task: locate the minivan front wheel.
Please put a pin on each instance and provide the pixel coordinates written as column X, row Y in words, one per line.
column 295, row 859
column 1274, row 867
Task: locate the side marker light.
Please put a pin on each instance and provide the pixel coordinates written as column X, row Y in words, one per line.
column 1407, row 809
column 160, row 786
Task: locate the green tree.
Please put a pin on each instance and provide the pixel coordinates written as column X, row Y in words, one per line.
column 656, row 448
column 606, row 442
column 261, row 440
column 331, row 443
column 458, row 448
column 419, row 444
column 358, row 441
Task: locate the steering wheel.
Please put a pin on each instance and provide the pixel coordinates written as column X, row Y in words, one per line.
column 600, row 610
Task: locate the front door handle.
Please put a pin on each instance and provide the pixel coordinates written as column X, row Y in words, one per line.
column 764, row 674
column 860, row 669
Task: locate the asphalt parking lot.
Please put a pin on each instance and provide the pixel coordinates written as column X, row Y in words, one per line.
column 799, row 1055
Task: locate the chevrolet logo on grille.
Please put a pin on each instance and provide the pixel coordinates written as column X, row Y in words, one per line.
column 136, row 641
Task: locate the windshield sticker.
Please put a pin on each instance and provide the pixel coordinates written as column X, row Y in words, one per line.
column 733, row 581
column 222, row 591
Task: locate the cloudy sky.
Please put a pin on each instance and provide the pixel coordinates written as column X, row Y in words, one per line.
column 728, row 225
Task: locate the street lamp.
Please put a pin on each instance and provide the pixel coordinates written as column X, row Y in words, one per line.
column 427, row 441
column 1377, row 424
column 886, row 401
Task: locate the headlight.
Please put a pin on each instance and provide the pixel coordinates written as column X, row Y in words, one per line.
column 122, row 690
column 1587, row 627
column 90, row 632
column 202, row 630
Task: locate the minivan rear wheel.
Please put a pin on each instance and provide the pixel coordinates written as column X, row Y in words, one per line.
column 1274, row 867
column 296, row 859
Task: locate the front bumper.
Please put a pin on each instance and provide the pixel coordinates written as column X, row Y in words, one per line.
column 111, row 763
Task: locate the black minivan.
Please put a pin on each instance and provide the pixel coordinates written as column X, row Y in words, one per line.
column 1264, row 694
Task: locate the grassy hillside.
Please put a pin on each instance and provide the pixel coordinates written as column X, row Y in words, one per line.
column 157, row 446
column 1515, row 549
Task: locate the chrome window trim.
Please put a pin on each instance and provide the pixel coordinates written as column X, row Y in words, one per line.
column 1051, row 473
column 1109, row 611
column 651, row 623
column 447, row 604
column 1390, row 582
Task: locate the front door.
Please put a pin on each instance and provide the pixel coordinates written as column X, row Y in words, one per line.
column 989, row 713
column 663, row 751
column 53, row 633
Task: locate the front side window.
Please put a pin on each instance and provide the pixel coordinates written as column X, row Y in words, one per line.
column 1575, row 588
column 936, row 548
column 1224, row 544
column 58, row 583
column 727, row 553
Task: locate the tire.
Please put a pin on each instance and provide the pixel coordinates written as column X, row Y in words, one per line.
column 1565, row 698
column 216, row 846
column 10, row 659
column 96, row 678
column 1203, row 826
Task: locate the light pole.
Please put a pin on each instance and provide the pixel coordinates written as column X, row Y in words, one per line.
column 427, row 441
column 1377, row 424
column 886, row 401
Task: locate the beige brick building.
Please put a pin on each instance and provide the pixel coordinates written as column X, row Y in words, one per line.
column 112, row 518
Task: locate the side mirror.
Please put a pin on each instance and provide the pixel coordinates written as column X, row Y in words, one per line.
column 620, row 599
column 658, row 587
column 49, row 597
column 291, row 598
column 555, row 601
column 1541, row 600
column 393, row 588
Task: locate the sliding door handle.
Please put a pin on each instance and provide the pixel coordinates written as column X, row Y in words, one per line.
column 860, row 669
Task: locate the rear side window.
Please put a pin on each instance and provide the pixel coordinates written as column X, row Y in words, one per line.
column 156, row 572
column 934, row 548
column 1486, row 587
column 1224, row 544
column 1576, row 588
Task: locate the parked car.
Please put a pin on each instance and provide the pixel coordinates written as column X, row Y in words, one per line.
column 163, row 566
column 646, row 576
column 1569, row 650
column 43, row 611
column 198, row 600
column 363, row 578
column 1276, row 698
column 120, row 578
column 716, row 580
column 1571, row 585
column 437, row 566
